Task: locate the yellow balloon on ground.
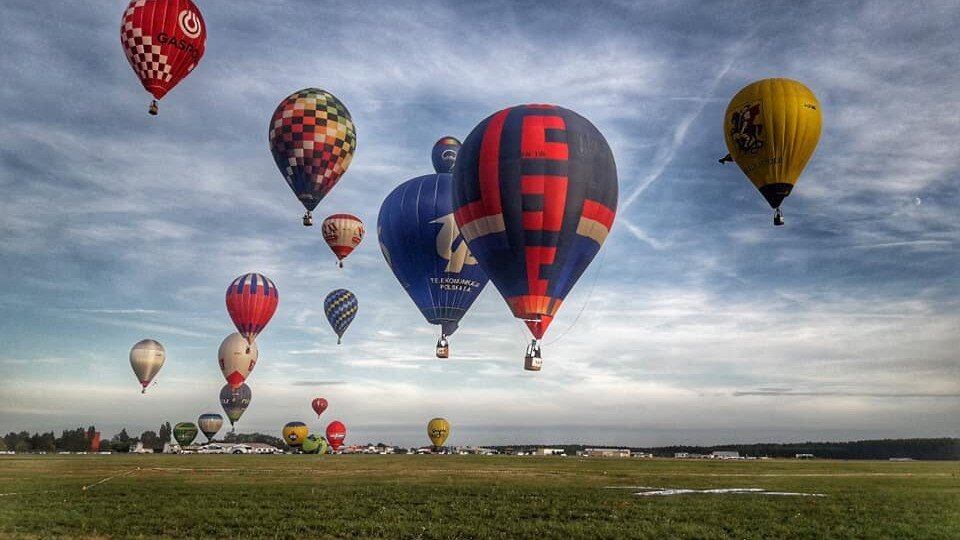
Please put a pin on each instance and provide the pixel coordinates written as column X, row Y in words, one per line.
column 772, row 127
column 437, row 430
column 295, row 433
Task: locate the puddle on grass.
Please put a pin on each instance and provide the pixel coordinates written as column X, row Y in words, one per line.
column 647, row 491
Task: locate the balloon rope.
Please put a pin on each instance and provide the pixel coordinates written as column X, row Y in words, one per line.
column 84, row 488
column 585, row 302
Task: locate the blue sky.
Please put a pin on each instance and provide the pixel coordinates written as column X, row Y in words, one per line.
column 698, row 322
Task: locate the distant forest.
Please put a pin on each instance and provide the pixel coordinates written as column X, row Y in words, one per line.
column 939, row 449
column 79, row 440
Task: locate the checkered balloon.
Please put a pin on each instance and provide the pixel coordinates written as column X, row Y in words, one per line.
column 312, row 139
column 340, row 307
column 163, row 40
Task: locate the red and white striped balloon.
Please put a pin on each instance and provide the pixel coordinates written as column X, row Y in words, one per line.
column 251, row 301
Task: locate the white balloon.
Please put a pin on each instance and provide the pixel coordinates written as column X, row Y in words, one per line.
column 237, row 359
column 146, row 359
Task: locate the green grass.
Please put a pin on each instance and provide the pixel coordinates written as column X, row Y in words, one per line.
column 469, row 497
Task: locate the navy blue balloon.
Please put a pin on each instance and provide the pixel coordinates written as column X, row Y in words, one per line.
column 341, row 307
column 444, row 154
column 423, row 246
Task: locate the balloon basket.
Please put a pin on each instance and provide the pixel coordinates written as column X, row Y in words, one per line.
column 154, row 108
column 307, row 219
column 443, row 347
column 533, row 361
column 778, row 218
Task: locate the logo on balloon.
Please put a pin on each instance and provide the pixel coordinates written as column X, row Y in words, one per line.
column 746, row 129
column 448, row 236
column 189, row 23
column 449, row 155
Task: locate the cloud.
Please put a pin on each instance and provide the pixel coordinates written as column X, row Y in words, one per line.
column 843, row 394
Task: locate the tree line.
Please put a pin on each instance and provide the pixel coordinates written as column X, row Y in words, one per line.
column 82, row 439
column 944, row 448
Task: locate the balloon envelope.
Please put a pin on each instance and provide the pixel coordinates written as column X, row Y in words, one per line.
column 294, row 433
column 438, row 429
column 343, row 233
column 336, row 433
column 314, row 444
column 235, row 401
column 237, row 359
column 185, row 433
column 444, row 154
column 146, row 359
column 319, row 405
column 423, row 246
column 340, row 307
column 312, row 139
column 210, row 424
column 251, row 300
column 771, row 128
column 163, row 40
column 535, row 194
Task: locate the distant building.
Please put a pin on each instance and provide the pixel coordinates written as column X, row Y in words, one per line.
column 139, row 449
column 478, row 450
column 681, row 455
column 263, row 448
column 725, row 454
column 607, row 452
column 549, row 452
column 803, row 456
column 643, row 455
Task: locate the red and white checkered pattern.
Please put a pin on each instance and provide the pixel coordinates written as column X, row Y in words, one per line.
column 160, row 66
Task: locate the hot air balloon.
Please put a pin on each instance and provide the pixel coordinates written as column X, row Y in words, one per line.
column 423, row 246
column 319, row 405
column 235, row 401
column 340, row 307
column 237, row 359
column 295, row 433
column 771, row 128
column 185, row 433
column 444, row 154
column 336, row 433
column 535, row 194
column 146, row 359
column 163, row 40
column 312, row 139
column 314, row 444
column 210, row 424
column 342, row 232
column 437, row 430
column 251, row 300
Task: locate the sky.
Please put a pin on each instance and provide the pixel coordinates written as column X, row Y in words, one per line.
column 697, row 323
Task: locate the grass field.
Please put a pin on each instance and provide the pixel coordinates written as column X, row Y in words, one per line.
column 469, row 497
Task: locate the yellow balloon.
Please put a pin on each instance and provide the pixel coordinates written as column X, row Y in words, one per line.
column 437, row 430
column 295, row 433
column 772, row 127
